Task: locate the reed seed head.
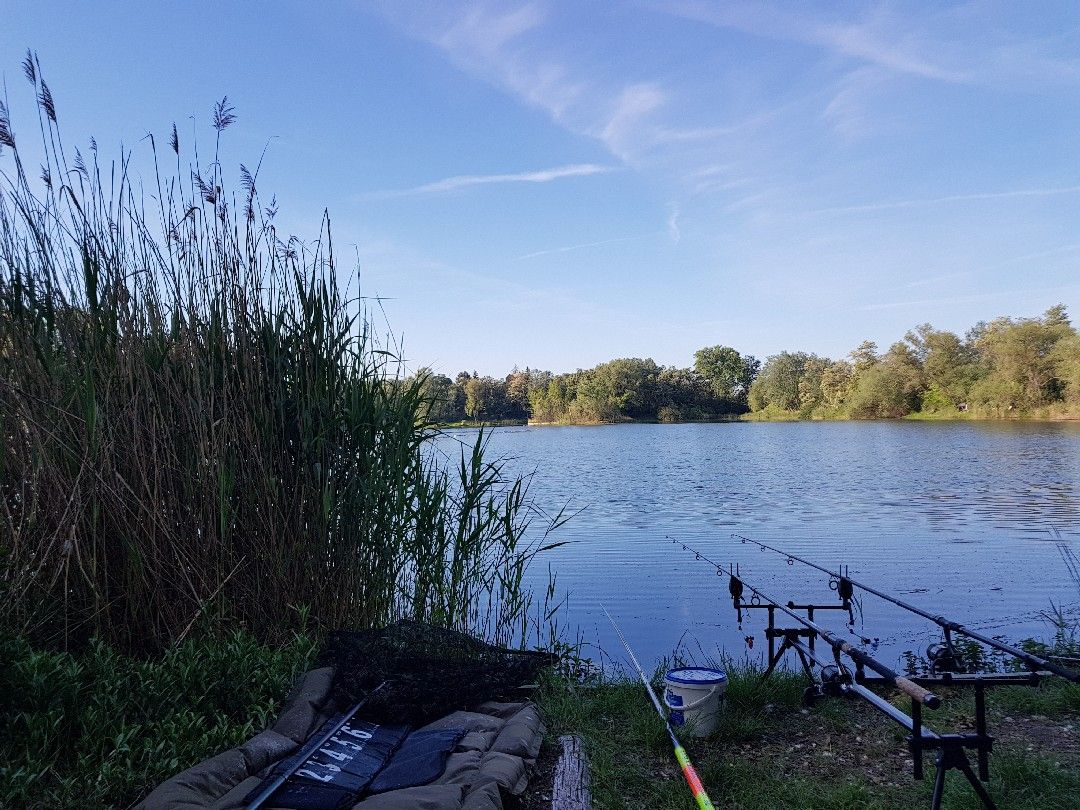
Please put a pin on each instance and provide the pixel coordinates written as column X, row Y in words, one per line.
column 224, row 114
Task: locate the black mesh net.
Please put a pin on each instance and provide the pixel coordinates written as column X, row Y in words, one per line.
column 428, row 671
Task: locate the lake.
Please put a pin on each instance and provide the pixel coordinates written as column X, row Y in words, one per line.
column 966, row 519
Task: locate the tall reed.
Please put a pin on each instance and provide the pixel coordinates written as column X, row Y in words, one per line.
column 195, row 417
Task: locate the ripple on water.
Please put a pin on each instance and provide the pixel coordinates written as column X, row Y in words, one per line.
column 958, row 514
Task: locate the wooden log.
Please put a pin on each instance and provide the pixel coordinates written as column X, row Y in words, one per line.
column 570, row 786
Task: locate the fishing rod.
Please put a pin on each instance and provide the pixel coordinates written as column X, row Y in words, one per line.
column 844, row 586
column 272, row 788
column 736, row 585
column 700, row 796
column 837, row 679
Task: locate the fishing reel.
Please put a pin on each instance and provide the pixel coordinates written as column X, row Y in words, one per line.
column 830, row 683
column 833, row 678
column 943, row 658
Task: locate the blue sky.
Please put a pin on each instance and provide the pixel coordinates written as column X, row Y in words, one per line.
column 555, row 184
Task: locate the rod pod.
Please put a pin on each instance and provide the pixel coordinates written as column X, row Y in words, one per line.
column 1034, row 662
column 905, row 685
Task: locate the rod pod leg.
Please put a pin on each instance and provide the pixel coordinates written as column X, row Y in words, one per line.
column 948, row 758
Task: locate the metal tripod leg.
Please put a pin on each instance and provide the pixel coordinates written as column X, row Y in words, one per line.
column 775, row 659
column 939, row 783
column 948, row 758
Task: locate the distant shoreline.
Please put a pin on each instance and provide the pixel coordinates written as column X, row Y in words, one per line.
column 784, row 416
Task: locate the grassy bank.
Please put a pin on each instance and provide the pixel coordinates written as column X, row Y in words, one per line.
column 483, row 423
column 1047, row 414
column 99, row 729
column 771, row 753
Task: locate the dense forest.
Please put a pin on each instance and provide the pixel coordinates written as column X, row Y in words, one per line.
column 1001, row 368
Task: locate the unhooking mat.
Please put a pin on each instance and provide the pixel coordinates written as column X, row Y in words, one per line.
column 497, row 745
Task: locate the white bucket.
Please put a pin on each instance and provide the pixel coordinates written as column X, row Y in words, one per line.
column 694, row 697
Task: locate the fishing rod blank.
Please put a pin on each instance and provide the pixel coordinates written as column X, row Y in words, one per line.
column 700, row 796
column 1033, row 661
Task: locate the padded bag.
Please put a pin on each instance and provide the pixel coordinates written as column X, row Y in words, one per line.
column 420, row 759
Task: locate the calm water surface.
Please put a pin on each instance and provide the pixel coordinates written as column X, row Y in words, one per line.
column 961, row 518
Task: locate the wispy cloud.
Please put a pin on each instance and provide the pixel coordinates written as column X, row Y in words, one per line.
column 851, row 112
column 876, row 42
column 952, row 198
column 568, row 248
column 494, row 45
column 469, row 180
column 506, row 48
column 620, row 132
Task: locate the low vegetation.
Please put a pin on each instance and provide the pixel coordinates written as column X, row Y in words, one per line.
column 769, row 751
column 99, row 729
column 202, row 445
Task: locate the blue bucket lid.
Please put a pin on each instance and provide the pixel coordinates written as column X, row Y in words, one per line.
column 693, row 676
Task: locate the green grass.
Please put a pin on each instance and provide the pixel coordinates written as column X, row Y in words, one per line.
column 770, row 752
column 99, row 729
column 1052, row 698
column 940, row 416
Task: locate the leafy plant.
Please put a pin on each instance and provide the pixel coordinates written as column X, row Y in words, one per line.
column 98, row 729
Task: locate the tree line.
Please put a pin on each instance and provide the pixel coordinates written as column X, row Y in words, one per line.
column 626, row 389
column 1004, row 367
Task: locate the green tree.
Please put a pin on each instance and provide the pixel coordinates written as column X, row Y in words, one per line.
column 778, row 382
column 622, row 388
column 445, row 399
column 485, row 398
column 550, row 402
column 949, row 366
column 684, row 395
column 1020, row 362
column 517, row 394
column 889, row 388
column 1066, row 361
column 728, row 372
column 836, row 384
column 810, row 392
column 864, row 356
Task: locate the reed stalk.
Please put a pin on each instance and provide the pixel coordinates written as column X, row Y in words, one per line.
column 196, row 418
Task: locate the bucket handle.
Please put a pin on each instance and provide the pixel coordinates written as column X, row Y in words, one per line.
column 689, row 707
